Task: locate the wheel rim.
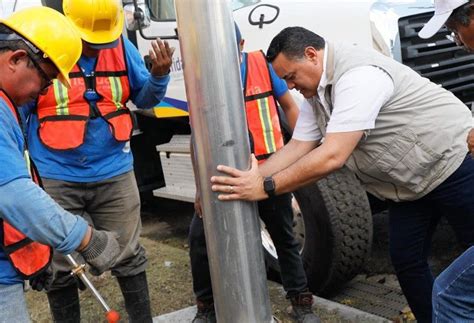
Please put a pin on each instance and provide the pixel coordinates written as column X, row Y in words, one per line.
column 298, row 230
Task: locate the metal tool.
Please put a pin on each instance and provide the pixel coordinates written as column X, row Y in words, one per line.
column 78, row 270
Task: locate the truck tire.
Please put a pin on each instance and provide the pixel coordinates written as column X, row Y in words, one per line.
column 333, row 224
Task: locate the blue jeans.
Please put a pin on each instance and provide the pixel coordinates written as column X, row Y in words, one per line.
column 12, row 304
column 411, row 228
column 453, row 291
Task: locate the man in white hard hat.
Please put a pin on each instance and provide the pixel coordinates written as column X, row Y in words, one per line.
column 456, row 15
column 453, row 289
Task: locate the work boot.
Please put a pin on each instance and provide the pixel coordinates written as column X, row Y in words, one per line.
column 205, row 312
column 64, row 305
column 137, row 300
column 301, row 308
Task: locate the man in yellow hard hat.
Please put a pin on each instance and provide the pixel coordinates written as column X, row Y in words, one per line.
column 80, row 141
column 36, row 46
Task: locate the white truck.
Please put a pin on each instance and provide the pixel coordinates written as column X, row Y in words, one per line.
column 333, row 218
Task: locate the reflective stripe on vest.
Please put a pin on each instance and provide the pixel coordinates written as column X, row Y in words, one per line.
column 28, row 257
column 261, row 108
column 63, row 114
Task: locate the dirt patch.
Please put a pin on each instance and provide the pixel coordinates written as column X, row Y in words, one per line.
column 169, row 280
column 164, row 235
column 169, row 283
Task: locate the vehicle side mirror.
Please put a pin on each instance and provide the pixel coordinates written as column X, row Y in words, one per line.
column 137, row 15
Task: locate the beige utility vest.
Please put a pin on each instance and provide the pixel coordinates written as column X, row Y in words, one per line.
column 420, row 134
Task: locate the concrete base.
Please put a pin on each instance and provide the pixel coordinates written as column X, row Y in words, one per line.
column 185, row 315
column 345, row 313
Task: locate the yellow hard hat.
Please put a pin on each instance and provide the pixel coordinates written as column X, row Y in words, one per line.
column 51, row 33
column 98, row 21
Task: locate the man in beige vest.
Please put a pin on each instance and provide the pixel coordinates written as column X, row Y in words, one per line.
column 403, row 136
column 453, row 289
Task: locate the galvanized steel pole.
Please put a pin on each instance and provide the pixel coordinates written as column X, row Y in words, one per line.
column 214, row 93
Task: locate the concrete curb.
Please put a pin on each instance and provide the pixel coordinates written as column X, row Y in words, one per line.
column 183, row 315
column 346, row 313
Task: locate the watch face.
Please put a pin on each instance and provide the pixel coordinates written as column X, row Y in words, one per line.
column 269, row 185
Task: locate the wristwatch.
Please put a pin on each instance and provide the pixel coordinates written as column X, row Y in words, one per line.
column 269, row 186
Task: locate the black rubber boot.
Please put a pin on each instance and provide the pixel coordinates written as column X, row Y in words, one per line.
column 137, row 300
column 302, row 308
column 205, row 312
column 64, row 305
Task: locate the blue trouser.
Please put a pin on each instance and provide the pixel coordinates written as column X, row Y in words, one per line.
column 453, row 291
column 411, row 228
column 277, row 215
column 12, row 304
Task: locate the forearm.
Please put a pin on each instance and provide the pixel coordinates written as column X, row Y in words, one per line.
column 330, row 156
column 152, row 92
column 286, row 156
column 312, row 167
column 292, row 116
column 290, row 108
column 30, row 210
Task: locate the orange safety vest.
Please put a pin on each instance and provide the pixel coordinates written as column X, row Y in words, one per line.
column 261, row 107
column 63, row 114
column 28, row 257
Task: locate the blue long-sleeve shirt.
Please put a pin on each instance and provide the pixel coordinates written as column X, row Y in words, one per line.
column 25, row 205
column 279, row 86
column 100, row 156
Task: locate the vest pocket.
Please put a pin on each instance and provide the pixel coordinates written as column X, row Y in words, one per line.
column 121, row 124
column 62, row 132
column 409, row 163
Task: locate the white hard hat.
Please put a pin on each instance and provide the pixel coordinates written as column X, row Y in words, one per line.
column 443, row 9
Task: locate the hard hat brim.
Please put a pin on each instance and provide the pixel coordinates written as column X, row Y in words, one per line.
column 104, row 46
column 433, row 25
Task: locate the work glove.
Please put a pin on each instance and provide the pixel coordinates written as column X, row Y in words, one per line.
column 79, row 283
column 101, row 252
column 42, row 281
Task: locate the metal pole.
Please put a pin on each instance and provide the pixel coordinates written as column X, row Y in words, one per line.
column 217, row 114
column 78, row 269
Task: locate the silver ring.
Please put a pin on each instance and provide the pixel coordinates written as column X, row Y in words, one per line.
column 231, row 189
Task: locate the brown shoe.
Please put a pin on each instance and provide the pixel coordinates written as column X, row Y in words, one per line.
column 301, row 309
